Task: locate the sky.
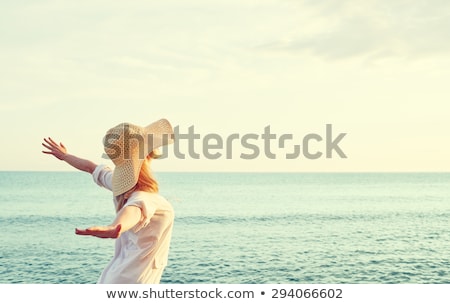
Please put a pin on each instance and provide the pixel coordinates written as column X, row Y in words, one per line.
column 376, row 71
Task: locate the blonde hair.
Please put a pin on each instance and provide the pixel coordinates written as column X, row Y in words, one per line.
column 146, row 182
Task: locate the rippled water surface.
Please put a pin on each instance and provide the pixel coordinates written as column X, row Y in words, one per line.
column 240, row 227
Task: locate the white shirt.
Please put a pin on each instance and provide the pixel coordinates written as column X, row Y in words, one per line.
column 144, row 248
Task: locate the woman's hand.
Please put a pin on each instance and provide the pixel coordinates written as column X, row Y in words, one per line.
column 104, row 232
column 58, row 151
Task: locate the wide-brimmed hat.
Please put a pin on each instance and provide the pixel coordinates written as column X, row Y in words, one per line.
column 127, row 145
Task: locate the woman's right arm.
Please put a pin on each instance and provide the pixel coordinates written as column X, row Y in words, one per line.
column 60, row 152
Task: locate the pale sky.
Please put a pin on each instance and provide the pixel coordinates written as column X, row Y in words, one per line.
column 376, row 70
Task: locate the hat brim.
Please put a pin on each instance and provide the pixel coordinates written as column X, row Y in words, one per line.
column 158, row 134
column 125, row 176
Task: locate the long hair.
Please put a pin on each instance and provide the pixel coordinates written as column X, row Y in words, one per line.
column 146, row 182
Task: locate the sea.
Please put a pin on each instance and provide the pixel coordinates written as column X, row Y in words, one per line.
column 239, row 228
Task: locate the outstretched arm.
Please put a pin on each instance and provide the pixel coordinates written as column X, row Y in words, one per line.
column 126, row 219
column 60, row 152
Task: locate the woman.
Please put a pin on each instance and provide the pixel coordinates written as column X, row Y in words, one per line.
column 144, row 219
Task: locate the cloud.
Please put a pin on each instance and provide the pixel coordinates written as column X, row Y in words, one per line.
column 379, row 29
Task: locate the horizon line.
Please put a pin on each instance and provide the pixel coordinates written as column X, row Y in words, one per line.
column 163, row 171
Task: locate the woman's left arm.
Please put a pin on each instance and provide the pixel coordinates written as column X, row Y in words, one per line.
column 126, row 219
column 60, row 152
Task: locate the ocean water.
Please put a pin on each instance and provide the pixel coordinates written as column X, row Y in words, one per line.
column 325, row 228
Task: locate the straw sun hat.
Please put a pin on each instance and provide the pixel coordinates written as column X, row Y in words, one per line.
column 127, row 145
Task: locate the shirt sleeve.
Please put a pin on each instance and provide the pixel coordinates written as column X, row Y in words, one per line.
column 147, row 209
column 102, row 176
